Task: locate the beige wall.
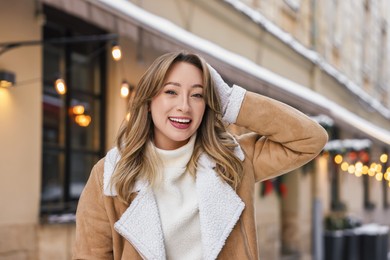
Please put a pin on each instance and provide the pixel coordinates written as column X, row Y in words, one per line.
column 20, row 133
column 20, row 116
column 135, row 60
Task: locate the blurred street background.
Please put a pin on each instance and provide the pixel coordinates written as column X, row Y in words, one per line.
column 68, row 69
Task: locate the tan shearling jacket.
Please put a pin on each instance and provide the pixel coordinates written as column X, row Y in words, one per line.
column 282, row 139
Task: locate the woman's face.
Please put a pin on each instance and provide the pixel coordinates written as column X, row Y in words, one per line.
column 178, row 108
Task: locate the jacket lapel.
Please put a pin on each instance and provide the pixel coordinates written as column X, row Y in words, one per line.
column 219, row 208
column 140, row 225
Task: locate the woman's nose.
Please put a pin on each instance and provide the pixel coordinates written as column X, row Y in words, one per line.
column 183, row 104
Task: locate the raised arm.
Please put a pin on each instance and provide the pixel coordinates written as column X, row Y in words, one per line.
column 282, row 137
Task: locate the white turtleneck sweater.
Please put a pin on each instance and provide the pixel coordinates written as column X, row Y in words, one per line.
column 178, row 204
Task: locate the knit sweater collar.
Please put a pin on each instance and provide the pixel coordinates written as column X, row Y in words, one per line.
column 177, row 158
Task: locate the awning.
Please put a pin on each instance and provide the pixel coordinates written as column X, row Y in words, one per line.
column 126, row 18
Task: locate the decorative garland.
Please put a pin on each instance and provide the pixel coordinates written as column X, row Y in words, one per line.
column 276, row 184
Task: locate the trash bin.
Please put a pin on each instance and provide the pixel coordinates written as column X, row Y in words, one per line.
column 373, row 242
column 383, row 242
column 334, row 244
column 351, row 245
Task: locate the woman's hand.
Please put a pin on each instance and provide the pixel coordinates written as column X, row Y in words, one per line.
column 231, row 98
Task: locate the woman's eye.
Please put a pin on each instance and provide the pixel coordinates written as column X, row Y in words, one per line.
column 170, row 92
column 198, row 95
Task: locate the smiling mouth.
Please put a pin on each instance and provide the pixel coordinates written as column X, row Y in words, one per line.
column 180, row 120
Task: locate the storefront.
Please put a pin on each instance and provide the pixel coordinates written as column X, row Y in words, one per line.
column 48, row 150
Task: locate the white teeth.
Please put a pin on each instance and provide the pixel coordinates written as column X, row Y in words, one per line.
column 180, row 120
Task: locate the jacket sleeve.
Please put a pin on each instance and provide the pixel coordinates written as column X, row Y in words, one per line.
column 93, row 229
column 282, row 138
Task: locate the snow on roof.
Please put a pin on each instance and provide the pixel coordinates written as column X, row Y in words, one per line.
column 348, row 144
column 323, row 120
column 309, row 54
column 241, row 63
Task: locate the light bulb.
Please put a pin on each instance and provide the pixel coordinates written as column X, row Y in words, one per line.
column 116, row 52
column 338, row 159
column 125, row 89
column 5, row 84
column 78, row 110
column 379, row 176
column 83, row 120
column 60, row 86
column 383, row 158
column 344, row 166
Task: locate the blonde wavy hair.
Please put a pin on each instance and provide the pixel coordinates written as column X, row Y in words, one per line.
column 135, row 138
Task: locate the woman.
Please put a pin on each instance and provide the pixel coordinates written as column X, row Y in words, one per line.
column 178, row 185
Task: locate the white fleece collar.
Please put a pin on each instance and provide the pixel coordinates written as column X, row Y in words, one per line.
column 219, row 210
column 141, row 226
column 112, row 158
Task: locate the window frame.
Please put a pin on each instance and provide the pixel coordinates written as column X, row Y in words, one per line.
column 71, row 26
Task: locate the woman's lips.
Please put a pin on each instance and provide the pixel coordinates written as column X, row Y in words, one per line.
column 180, row 123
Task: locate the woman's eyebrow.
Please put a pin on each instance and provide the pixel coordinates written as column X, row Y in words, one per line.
column 172, row 83
column 197, row 86
column 179, row 85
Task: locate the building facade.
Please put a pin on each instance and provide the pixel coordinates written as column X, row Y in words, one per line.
column 305, row 53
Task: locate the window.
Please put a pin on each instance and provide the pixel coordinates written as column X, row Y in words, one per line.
column 70, row 148
column 334, row 175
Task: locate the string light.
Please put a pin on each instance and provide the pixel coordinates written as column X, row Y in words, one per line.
column 79, row 117
column 344, row 166
column 125, row 89
column 359, row 168
column 338, row 159
column 60, row 86
column 78, row 110
column 379, row 176
column 83, row 120
column 351, row 169
column 383, row 158
column 116, row 51
column 359, row 165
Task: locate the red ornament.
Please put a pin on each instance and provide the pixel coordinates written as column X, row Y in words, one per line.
column 364, row 156
column 352, row 156
column 267, row 187
column 283, row 190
